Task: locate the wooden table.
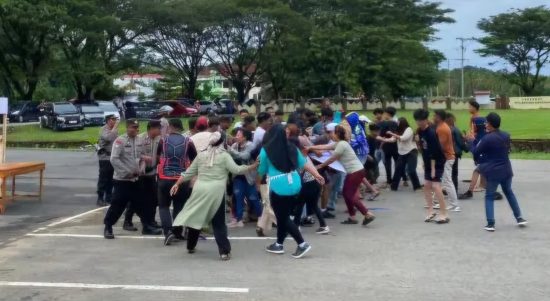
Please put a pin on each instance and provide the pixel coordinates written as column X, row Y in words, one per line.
column 12, row 170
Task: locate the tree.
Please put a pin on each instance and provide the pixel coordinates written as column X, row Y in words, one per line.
column 26, row 39
column 521, row 38
column 96, row 38
column 182, row 37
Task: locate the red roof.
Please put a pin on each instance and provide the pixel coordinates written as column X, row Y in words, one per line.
column 142, row 76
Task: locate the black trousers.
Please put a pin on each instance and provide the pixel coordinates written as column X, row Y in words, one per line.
column 124, row 193
column 406, row 163
column 220, row 232
column 147, row 199
column 455, row 173
column 105, row 181
column 390, row 153
column 309, row 196
column 178, row 201
column 282, row 207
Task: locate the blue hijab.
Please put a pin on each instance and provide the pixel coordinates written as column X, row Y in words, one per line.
column 358, row 137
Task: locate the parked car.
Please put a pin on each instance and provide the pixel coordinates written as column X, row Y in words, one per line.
column 60, row 116
column 24, row 111
column 91, row 115
column 108, row 108
column 180, row 110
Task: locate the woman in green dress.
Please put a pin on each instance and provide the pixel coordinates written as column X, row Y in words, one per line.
column 205, row 205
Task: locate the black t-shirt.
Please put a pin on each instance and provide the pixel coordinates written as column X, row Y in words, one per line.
column 385, row 127
column 431, row 148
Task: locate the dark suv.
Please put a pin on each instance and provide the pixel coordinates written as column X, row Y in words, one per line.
column 60, row 116
column 24, row 111
column 92, row 115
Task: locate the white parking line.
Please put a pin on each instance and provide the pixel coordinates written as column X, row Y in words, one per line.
column 68, row 219
column 127, row 287
column 133, row 236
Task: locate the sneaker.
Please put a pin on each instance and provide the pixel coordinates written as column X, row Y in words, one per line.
column 436, row 206
column 101, row 203
column 129, row 227
column 323, row 230
column 405, row 184
column 275, row 248
column 498, row 196
column 349, row 221
column 169, row 238
column 108, row 232
column 301, row 251
column 522, row 222
column 260, row 232
column 235, row 224
column 327, row 214
column 308, row 222
column 490, row 228
column 368, row 219
column 331, row 209
column 149, row 230
column 466, row 196
column 454, row 208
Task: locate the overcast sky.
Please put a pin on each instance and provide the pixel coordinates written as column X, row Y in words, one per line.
column 466, row 15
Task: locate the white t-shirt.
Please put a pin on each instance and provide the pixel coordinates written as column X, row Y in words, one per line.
column 259, row 134
column 406, row 143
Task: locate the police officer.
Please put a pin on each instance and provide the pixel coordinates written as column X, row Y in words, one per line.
column 108, row 134
column 126, row 157
column 148, row 180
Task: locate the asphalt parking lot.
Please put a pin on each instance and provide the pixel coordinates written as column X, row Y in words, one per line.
column 54, row 250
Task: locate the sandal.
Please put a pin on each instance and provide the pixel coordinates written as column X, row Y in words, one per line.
column 349, row 221
column 373, row 196
column 368, row 219
column 443, row 221
column 430, row 218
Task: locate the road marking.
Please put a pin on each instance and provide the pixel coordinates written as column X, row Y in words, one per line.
column 85, row 195
column 68, row 219
column 134, row 236
column 127, row 287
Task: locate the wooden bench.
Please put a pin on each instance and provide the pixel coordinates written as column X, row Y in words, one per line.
column 12, row 170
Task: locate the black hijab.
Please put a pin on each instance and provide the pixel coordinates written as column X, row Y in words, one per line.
column 282, row 154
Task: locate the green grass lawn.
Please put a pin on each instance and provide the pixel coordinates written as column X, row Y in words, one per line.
column 521, row 124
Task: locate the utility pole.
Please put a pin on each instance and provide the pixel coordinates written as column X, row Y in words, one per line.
column 463, row 49
column 449, row 78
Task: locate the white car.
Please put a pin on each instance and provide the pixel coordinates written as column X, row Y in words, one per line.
column 108, row 108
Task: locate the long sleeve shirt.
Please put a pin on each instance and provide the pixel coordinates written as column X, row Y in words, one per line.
column 106, row 138
column 493, row 152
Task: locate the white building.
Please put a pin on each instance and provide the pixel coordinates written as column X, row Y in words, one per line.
column 135, row 84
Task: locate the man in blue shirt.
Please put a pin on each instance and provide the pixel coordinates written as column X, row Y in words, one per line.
column 494, row 164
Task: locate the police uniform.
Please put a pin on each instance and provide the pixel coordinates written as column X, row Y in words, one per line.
column 125, row 158
column 105, row 179
column 148, row 179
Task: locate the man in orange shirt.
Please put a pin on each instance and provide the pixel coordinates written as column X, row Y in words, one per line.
column 445, row 137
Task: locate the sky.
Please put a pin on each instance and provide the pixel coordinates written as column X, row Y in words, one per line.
column 466, row 15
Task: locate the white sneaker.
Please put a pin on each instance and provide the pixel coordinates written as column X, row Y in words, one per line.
column 436, row 206
column 323, row 230
column 454, row 208
column 235, row 224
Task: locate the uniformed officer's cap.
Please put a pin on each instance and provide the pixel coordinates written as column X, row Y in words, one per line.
column 132, row 123
column 153, row 124
column 110, row 116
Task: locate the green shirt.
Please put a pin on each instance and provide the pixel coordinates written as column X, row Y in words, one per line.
column 348, row 158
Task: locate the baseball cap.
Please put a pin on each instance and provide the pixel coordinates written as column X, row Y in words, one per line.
column 331, row 126
column 132, row 123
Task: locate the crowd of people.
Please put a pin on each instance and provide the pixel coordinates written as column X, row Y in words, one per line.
column 290, row 174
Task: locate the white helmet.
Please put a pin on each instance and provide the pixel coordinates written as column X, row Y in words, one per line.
column 166, row 109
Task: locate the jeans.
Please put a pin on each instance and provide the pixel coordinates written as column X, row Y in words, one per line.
column 165, row 200
column 491, row 188
column 351, row 193
column 282, row 206
column 447, row 182
column 336, row 180
column 220, row 232
column 408, row 162
column 389, row 154
column 309, row 195
column 242, row 190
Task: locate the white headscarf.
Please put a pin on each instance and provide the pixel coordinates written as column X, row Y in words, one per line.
column 212, row 150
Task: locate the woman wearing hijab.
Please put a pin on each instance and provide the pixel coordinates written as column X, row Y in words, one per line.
column 355, row 175
column 280, row 161
column 206, row 205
